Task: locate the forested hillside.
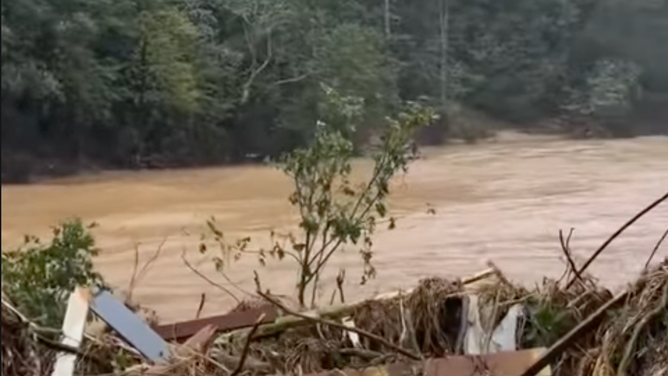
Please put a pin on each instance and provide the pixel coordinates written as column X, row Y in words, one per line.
column 158, row 83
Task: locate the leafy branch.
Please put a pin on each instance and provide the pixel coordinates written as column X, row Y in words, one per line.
column 333, row 210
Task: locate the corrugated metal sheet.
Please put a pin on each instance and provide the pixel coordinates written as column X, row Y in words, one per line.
column 130, row 327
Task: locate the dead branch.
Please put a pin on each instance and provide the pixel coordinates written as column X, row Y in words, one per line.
column 291, row 80
column 251, row 79
column 340, row 326
column 498, row 273
column 656, row 248
column 566, row 248
column 617, row 233
column 339, row 284
column 631, row 344
column 244, row 354
column 137, row 274
column 256, row 279
column 209, row 280
column 202, row 300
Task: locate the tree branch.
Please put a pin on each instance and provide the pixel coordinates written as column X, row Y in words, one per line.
column 249, row 339
column 617, row 233
column 291, row 80
column 340, row 326
column 656, row 248
column 246, row 88
column 209, row 280
column 566, row 248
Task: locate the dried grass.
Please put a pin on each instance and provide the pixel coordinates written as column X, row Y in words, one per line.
column 21, row 354
column 634, row 339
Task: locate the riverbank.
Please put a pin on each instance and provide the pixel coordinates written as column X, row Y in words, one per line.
column 20, row 168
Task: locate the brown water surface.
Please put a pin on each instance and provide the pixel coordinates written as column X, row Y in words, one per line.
column 503, row 201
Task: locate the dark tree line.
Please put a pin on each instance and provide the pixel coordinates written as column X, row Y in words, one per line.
column 153, row 83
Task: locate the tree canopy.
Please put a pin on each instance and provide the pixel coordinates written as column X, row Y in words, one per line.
column 156, row 83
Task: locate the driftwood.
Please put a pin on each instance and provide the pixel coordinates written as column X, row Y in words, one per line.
column 332, row 312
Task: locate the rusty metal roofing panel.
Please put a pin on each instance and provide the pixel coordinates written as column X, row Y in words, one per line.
column 181, row 331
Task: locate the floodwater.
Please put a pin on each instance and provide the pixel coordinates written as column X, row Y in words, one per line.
column 502, row 201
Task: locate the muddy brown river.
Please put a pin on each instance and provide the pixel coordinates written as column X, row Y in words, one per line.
column 503, row 201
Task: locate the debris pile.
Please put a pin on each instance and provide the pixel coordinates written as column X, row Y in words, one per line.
column 434, row 320
column 482, row 325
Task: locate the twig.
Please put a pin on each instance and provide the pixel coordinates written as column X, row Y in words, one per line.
column 291, row 80
column 566, row 248
column 256, row 279
column 331, row 299
column 617, row 233
column 402, row 337
column 656, row 248
column 339, row 284
column 249, row 339
column 137, row 274
column 202, row 300
column 340, row 326
column 499, row 274
column 361, row 353
column 562, row 344
column 209, row 280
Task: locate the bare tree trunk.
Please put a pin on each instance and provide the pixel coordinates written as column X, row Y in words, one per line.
column 387, row 13
column 444, row 20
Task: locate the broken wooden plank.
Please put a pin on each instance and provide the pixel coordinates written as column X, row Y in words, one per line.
column 130, row 327
column 200, row 341
column 180, row 331
column 73, row 329
column 506, row 363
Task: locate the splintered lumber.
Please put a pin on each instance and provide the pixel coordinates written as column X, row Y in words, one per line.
column 506, row 363
column 73, row 330
column 180, row 331
column 335, row 311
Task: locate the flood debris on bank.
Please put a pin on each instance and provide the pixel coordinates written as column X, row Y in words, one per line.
column 426, row 330
column 482, row 325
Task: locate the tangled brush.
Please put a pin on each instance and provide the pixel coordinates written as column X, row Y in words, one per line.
column 634, row 338
column 22, row 355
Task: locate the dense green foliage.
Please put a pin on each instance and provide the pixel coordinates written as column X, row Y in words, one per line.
column 39, row 277
column 141, row 83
